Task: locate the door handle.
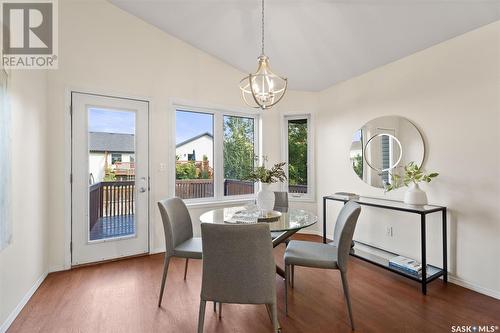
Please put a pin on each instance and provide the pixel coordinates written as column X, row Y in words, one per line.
column 142, row 189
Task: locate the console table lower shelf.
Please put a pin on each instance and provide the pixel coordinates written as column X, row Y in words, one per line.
column 429, row 272
column 382, row 257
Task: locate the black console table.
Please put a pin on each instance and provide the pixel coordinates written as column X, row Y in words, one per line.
column 429, row 272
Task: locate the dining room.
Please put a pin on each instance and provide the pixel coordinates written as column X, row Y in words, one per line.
column 249, row 166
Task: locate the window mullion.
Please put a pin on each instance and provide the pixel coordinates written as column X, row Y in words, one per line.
column 219, row 158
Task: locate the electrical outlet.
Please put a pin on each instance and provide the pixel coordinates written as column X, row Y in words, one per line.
column 388, row 231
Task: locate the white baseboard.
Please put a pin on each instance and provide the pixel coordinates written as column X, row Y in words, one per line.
column 58, row 268
column 13, row 315
column 157, row 250
column 469, row 285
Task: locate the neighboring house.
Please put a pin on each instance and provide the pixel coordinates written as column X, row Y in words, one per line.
column 194, row 148
column 109, row 150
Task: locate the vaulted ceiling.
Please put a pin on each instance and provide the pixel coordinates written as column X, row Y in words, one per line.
column 315, row 43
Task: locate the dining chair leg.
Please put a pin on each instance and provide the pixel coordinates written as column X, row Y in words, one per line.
column 164, row 278
column 293, row 276
column 274, row 312
column 347, row 297
column 201, row 316
column 215, row 306
column 220, row 310
column 287, row 268
column 269, row 313
column 186, row 268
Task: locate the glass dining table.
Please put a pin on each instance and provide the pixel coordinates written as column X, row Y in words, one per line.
column 282, row 225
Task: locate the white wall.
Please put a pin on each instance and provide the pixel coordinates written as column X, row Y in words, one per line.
column 202, row 146
column 97, row 163
column 452, row 93
column 23, row 263
column 96, row 166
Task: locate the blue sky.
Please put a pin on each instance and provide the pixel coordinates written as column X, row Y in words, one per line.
column 189, row 124
column 111, row 121
column 357, row 136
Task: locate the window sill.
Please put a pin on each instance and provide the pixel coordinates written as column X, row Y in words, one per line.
column 301, row 199
column 219, row 203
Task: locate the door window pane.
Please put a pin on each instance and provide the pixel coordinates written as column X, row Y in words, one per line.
column 194, row 155
column 111, row 137
column 297, row 155
column 239, row 152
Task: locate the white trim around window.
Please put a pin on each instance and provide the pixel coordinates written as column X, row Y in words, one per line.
column 218, row 114
column 310, row 195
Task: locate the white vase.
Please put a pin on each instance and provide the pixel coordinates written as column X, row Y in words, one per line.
column 265, row 198
column 415, row 196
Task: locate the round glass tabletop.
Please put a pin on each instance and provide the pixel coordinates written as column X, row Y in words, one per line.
column 294, row 219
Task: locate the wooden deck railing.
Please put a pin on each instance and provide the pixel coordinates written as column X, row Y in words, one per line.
column 116, row 198
column 297, row 188
column 203, row 188
column 107, row 199
column 194, row 188
column 238, row 187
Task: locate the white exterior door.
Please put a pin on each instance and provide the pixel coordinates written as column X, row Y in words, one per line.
column 110, row 181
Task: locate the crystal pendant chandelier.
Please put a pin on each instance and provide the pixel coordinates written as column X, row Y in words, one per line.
column 263, row 89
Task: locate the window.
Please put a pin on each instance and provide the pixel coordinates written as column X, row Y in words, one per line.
column 214, row 153
column 356, row 153
column 239, row 154
column 194, row 151
column 386, row 158
column 116, row 157
column 298, row 155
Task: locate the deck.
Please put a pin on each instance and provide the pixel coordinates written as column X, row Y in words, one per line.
column 112, row 226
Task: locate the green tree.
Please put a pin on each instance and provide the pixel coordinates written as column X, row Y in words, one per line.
column 297, row 152
column 238, row 147
column 185, row 170
column 357, row 165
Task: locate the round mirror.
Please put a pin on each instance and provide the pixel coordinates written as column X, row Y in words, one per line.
column 383, row 146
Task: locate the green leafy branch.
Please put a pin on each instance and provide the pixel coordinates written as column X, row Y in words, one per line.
column 412, row 174
column 262, row 174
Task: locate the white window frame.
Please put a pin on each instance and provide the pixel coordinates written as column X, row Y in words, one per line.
column 218, row 114
column 310, row 195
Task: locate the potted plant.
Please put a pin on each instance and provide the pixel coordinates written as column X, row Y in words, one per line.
column 265, row 197
column 412, row 176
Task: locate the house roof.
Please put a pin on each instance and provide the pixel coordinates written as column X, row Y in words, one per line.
column 196, row 137
column 111, row 142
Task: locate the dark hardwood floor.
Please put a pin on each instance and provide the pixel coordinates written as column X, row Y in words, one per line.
column 122, row 296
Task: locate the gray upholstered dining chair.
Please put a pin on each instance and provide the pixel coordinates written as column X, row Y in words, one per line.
column 280, row 205
column 281, row 201
column 179, row 240
column 238, row 267
column 331, row 256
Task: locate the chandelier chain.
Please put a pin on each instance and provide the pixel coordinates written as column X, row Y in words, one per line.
column 263, row 89
column 262, row 32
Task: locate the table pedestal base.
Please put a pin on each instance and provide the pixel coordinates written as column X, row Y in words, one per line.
column 277, row 241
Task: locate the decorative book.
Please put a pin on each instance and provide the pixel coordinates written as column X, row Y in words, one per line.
column 347, row 195
column 406, row 264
